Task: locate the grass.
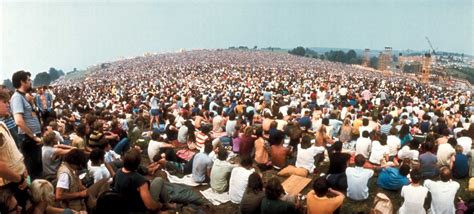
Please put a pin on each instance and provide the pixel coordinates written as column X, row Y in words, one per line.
column 349, row 206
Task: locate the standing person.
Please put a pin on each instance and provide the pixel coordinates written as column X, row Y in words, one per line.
column 44, row 101
column 154, row 111
column 414, row 195
column 8, row 118
column 29, row 125
column 12, row 169
column 442, row 192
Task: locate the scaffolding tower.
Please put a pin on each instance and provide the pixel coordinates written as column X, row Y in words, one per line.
column 385, row 60
column 366, row 61
column 426, row 68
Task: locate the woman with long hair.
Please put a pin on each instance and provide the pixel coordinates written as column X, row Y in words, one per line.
column 405, row 135
column 253, row 195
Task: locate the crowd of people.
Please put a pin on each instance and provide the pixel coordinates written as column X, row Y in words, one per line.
column 226, row 117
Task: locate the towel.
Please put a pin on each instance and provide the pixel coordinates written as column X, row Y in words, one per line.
column 214, row 197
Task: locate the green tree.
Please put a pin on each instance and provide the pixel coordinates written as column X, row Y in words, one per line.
column 41, row 79
column 351, row 56
column 374, row 61
column 8, row 83
column 53, row 74
column 299, row 51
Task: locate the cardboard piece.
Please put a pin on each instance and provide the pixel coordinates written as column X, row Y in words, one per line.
column 295, row 184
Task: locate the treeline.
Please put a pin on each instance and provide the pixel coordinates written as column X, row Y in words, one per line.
column 41, row 79
column 349, row 57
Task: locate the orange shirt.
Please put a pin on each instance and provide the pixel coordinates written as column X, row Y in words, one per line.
column 324, row 205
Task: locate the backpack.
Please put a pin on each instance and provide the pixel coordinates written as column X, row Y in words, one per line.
column 382, row 205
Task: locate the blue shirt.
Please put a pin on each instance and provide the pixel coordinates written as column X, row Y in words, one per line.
column 391, row 179
column 49, row 102
column 201, row 163
column 9, row 121
column 461, row 167
column 305, row 122
column 20, row 105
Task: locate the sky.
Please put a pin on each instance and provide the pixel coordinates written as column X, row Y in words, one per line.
column 38, row 34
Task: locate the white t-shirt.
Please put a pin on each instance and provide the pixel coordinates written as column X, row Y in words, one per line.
column 99, row 172
column 238, row 183
column 343, row 91
column 365, row 128
column 305, row 157
column 442, row 195
column 406, row 152
column 414, row 199
column 153, row 148
column 445, row 151
column 466, row 143
column 394, row 144
column 378, row 152
column 357, row 179
column 63, row 181
column 363, row 146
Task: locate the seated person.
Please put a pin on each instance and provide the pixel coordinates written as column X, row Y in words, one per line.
column 239, row 179
column 51, row 154
column 322, row 199
column 461, row 165
column 428, row 161
column 135, row 188
column 42, row 192
column 409, row 151
column 275, row 201
column 220, row 171
column 253, row 195
column 357, row 179
column 8, row 202
column 156, row 144
column 306, row 153
column 380, row 150
column 202, row 164
column 279, row 152
column 69, row 190
column 414, row 195
column 392, row 178
column 261, row 151
column 363, row 144
column 338, row 163
column 97, row 167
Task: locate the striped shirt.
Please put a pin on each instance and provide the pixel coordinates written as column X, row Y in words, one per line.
column 200, row 140
column 9, row 121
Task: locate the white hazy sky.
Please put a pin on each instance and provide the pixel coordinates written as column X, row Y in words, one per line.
column 37, row 35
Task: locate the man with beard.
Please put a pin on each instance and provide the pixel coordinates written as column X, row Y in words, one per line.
column 28, row 124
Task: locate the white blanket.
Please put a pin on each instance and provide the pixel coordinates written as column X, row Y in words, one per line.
column 186, row 180
column 214, row 197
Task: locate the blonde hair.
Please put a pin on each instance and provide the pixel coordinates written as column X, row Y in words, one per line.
column 42, row 190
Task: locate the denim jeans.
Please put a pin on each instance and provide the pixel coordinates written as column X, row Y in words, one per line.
column 122, row 146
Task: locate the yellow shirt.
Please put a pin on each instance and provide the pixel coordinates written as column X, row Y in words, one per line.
column 9, row 153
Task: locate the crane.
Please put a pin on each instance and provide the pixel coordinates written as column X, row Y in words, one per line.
column 431, row 46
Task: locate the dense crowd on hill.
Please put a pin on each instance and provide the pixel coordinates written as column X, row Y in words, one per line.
column 225, row 118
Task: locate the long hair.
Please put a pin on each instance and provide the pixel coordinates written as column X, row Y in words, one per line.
column 255, row 183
